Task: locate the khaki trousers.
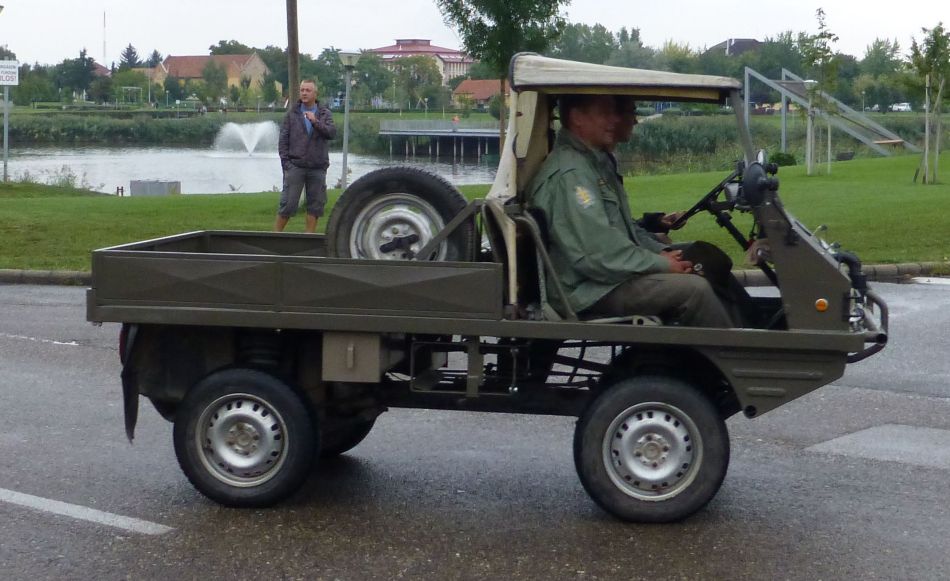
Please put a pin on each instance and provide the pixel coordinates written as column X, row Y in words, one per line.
column 687, row 299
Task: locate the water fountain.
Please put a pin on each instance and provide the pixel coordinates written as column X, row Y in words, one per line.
column 247, row 137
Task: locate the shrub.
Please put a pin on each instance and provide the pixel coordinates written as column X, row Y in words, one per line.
column 782, row 159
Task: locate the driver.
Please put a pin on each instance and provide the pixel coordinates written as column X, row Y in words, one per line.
column 607, row 264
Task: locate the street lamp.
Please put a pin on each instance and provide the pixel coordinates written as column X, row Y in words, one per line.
column 349, row 60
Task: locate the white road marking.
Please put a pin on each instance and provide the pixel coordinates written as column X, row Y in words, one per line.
column 38, row 340
column 917, row 445
column 83, row 513
column 931, row 280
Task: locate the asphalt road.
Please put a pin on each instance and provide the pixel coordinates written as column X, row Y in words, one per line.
column 850, row 482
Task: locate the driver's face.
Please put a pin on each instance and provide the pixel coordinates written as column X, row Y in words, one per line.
column 597, row 122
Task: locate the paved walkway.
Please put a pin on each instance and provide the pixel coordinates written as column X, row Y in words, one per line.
column 874, row 272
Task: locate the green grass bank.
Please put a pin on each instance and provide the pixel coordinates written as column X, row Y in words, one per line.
column 871, row 206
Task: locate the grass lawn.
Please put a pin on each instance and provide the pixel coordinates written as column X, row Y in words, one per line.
column 870, row 206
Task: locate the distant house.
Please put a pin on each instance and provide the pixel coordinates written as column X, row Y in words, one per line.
column 478, row 92
column 451, row 62
column 237, row 67
column 156, row 75
column 735, row 46
column 100, row 71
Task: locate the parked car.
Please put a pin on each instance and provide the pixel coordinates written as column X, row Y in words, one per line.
column 901, row 107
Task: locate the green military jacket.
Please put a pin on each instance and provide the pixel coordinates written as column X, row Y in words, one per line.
column 594, row 243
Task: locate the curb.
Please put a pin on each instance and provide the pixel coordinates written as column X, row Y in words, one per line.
column 57, row 277
column 875, row 273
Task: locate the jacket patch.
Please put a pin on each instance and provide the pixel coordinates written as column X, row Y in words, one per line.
column 584, row 198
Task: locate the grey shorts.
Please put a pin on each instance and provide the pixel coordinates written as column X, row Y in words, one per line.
column 295, row 180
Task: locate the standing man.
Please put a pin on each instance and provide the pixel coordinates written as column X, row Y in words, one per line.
column 608, row 265
column 304, row 157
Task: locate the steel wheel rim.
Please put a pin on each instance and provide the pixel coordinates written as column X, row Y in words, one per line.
column 391, row 217
column 652, row 451
column 241, row 440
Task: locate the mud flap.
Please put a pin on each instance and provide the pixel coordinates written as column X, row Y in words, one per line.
column 130, row 402
column 130, row 394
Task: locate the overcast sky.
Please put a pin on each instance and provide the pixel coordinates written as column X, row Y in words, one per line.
column 48, row 31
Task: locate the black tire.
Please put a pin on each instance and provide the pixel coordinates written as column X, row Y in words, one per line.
column 258, row 439
column 344, row 439
column 398, row 204
column 651, row 449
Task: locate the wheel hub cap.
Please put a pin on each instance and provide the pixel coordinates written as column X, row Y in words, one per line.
column 395, row 227
column 652, row 451
column 242, row 440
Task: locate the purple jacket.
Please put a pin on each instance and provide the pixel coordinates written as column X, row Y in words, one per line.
column 298, row 148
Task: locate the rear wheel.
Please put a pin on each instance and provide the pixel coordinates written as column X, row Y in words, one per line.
column 651, row 449
column 244, row 438
column 392, row 213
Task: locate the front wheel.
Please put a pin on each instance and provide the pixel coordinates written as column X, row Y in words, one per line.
column 651, row 449
column 244, row 438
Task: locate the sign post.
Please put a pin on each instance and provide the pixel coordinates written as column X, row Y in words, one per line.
column 9, row 76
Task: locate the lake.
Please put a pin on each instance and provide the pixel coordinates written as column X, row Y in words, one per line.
column 209, row 170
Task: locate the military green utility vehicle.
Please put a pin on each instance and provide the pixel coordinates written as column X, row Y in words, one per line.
column 269, row 351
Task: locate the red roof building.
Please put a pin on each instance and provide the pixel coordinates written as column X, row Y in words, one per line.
column 451, row 62
column 478, row 92
column 237, row 66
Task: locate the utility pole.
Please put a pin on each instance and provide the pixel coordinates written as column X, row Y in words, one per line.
column 293, row 51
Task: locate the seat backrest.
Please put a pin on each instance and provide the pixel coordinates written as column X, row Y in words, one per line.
column 534, row 227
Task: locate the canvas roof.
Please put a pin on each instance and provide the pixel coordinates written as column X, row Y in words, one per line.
column 549, row 75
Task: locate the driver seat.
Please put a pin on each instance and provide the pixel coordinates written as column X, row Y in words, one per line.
column 519, row 241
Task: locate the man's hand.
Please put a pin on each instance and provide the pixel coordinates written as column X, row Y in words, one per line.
column 669, row 219
column 677, row 264
column 311, row 117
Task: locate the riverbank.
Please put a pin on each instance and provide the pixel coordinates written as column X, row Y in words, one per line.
column 870, row 206
column 668, row 144
column 161, row 127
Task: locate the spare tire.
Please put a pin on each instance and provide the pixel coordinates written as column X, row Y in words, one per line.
column 392, row 213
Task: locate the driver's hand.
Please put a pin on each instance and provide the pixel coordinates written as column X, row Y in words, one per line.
column 669, row 219
column 676, row 262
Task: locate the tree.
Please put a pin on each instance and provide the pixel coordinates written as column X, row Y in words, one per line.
column 6, row 54
column 480, row 70
column 174, row 88
column 371, row 78
column 419, row 77
column 100, row 90
column 75, row 75
column 931, row 60
column 326, row 69
column 129, row 86
column 631, row 51
column 775, row 54
column 129, row 59
column 154, row 59
column 493, row 31
column 35, row 85
column 580, row 42
column 819, row 63
column 677, row 58
column 216, row 80
column 229, row 47
column 881, row 58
